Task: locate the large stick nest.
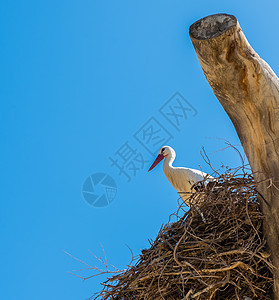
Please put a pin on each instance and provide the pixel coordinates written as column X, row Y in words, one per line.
column 216, row 250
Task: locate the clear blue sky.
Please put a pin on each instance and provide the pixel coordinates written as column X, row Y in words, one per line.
column 79, row 79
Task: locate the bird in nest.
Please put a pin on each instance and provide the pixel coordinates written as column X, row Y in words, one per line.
column 186, row 181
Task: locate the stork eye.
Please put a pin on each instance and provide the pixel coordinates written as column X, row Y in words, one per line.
column 163, row 149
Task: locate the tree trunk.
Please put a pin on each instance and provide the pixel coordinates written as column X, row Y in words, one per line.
column 248, row 90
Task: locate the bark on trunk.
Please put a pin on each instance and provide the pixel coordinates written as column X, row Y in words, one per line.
column 248, row 90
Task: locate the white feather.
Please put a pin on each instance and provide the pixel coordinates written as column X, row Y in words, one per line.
column 182, row 179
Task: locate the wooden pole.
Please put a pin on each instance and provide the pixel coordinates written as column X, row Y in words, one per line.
column 248, row 90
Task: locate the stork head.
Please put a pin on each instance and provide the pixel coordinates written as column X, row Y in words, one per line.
column 163, row 153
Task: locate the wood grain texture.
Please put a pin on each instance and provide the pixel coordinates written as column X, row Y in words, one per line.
column 248, row 90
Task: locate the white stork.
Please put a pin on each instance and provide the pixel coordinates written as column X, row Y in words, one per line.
column 182, row 179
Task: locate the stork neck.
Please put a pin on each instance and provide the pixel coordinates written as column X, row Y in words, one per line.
column 168, row 161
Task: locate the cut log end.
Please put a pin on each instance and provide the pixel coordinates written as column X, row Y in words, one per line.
column 212, row 26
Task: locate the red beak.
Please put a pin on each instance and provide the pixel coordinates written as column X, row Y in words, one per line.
column 156, row 161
